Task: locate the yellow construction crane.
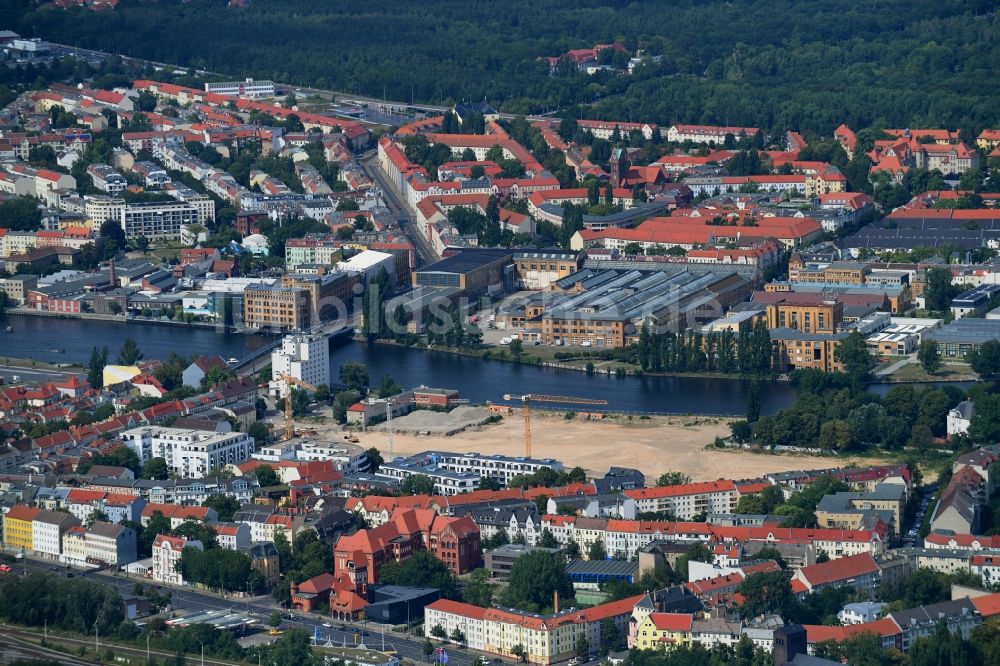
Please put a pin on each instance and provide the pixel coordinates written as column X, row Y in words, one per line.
column 292, row 381
column 529, row 398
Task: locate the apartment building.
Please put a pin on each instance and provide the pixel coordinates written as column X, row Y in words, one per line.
column 47, row 531
column 18, row 529
column 500, row 467
column 110, row 544
column 859, row 572
column 106, row 179
column 806, row 313
column 304, row 357
column 546, row 639
column 686, row 501
column 189, row 454
column 708, row 133
column 157, row 220
column 100, row 209
column 167, row 551
column 793, row 349
column 273, row 306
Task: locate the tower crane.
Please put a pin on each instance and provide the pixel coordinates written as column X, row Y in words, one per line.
column 289, row 382
column 529, row 398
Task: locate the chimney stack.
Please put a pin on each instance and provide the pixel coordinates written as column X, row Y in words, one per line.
column 112, row 278
column 555, row 601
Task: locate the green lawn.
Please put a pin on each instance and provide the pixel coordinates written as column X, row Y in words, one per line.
column 913, row 372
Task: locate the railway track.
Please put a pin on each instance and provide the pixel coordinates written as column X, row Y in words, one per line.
column 16, row 639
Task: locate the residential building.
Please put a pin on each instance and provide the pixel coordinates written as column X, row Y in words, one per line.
column 546, row 639
column 499, row 561
column 74, row 545
column 658, row 631
column 686, row 501
column 232, row 536
column 18, row 529
column 856, row 571
column 454, row 541
column 960, row 417
column 304, row 357
column 157, row 220
column 861, row 612
column 47, row 532
column 189, row 453
column 277, row 307
column 167, row 552
column 110, row 544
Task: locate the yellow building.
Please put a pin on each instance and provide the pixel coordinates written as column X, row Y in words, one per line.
column 17, row 527
column 660, row 631
column 806, row 313
column 792, row 350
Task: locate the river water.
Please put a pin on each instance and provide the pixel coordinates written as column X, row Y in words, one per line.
column 476, row 379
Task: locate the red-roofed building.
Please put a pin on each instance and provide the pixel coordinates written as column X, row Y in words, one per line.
column 688, row 500
column 167, row 552
column 545, row 638
column 178, row 514
column 885, row 629
column 860, row 572
column 454, row 541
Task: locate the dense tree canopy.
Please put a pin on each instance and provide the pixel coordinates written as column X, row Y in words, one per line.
column 802, row 65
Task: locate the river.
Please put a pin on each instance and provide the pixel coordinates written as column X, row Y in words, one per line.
column 476, row 379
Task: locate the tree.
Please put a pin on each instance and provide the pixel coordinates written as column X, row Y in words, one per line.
column 420, row 570
column 354, row 376
column 985, row 424
column 428, row 649
column 478, row 592
column 417, row 484
column 375, row 459
column 597, row 551
column 260, row 434
column 572, row 550
column 672, row 479
column 985, row 359
column 534, row 578
column 516, row 348
column 130, row 353
column 21, row 214
column 929, row 356
column 274, row 620
column 488, row 483
column 388, row 387
column 437, row 631
column 582, row 646
column 95, row 372
column 225, row 506
column 768, row 592
column 611, row 637
column 341, row 404
column 937, row 289
column 322, row 394
column 156, row 469
column 518, row 651
column 853, row 352
column 458, row 636
column 548, row 540
column 266, row 476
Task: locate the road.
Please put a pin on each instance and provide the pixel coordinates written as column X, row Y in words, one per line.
column 31, row 375
column 400, row 210
column 186, row 601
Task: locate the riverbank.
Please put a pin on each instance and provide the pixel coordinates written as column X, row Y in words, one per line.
column 653, row 445
column 121, row 319
column 544, row 357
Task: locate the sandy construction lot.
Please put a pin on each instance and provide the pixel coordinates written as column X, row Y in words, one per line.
column 653, row 446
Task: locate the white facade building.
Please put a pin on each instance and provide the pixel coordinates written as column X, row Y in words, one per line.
column 157, row 220
column 304, row 357
column 47, row 530
column 190, row 454
column 167, row 552
column 111, row 544
column 248, row 88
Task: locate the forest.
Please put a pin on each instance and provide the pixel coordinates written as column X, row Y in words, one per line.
column 804, row 64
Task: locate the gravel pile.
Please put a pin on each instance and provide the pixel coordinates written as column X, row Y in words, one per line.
column 426, row 422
